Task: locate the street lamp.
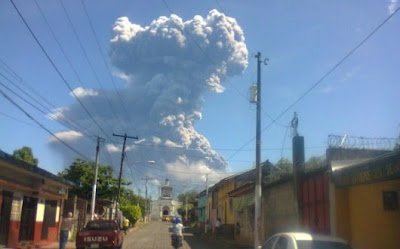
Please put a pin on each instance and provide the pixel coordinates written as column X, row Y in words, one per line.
column 144, row 162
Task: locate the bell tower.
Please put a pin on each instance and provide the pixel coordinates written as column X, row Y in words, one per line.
column 166, row 191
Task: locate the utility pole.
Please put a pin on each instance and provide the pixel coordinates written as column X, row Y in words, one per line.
column 206, row 206
column 146, row 207
column 258, row 181
column 186, row 208
column 120, row 169
column 92, row 207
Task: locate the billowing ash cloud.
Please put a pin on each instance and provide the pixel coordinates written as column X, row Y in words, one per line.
column 169, row 66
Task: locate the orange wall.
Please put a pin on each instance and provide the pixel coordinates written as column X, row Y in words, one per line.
column 343, row 225
column 369, row 225
column 224, row 200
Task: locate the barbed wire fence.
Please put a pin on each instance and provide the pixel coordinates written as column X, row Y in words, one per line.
column 351, row 142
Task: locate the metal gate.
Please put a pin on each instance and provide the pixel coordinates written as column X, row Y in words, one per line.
column 315, row 202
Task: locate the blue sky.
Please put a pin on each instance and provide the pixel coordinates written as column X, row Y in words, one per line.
column 302, row 39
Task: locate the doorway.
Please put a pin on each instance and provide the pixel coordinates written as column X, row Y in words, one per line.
column 165, row 211
column 5, row 213
column 28, row 215
column 49, row 219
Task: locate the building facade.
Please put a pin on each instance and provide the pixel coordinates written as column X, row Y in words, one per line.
column 31, row 203
column 367, row 207
column 165, row 205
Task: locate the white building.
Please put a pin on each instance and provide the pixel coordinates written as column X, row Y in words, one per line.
column 165, row 205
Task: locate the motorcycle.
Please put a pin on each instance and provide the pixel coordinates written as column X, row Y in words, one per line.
column 176, row 241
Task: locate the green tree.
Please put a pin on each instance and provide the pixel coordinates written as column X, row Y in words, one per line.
column 285, row 165
column 81, row 173
column 191, row 197
column 315, row 162
column 128, row 197
column 26, row 154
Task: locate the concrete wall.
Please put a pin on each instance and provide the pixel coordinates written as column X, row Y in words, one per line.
column 350, row 154
column 279, row 213
column 246, row 220
column 362, row 220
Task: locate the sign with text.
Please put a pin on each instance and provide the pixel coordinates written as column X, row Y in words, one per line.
column 375, row 170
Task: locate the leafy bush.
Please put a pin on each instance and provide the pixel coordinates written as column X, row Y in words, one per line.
column 132, row 212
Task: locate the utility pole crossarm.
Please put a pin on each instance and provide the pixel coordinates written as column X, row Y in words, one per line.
column 124, row 136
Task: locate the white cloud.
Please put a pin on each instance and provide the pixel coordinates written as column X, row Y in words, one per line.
column 81, row 92
column 67, row 136
column 156, row 140
column 58, row 113
column 169, row 143
column 113, row 148
column 392, row 6
column 186, row 171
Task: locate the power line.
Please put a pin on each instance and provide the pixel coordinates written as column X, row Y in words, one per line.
column 323, row 77
column 57, row 70
column 38, row 109
column 218, row 149
column 87, row 58
column 213, row 62
column 42, row 126
column 20, row 80
column 104, row 60
column 18, row 120
column 65, row 123
column 284, row 139
column 23, row 91
column 62, row 49
column 191, row 172
column 10, row 71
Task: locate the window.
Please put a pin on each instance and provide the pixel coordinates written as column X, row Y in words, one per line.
column 102, row 225
column 390, row 200
column 281, row 243
column 270, row 243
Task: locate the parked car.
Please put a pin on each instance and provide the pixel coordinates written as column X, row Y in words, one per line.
column 100, row 234
column 304, row 241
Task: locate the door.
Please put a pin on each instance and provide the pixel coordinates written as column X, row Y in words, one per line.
column 315, row 203
column 28, row 216
column 49, row 219
column 5, row 213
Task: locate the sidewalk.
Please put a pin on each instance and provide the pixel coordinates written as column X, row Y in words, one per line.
column 234, row 243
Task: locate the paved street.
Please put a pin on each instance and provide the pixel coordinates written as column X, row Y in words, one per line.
column 156, row 235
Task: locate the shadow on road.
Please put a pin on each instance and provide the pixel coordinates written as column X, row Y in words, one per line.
column 196, row 242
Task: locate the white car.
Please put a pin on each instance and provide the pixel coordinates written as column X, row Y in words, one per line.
column 304, row 241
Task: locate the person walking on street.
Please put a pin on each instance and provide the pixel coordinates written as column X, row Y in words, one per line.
column 126, row 225
column 66, row 226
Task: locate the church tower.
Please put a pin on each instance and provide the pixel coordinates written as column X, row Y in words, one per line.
column 166, row 191
column 165, row 206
